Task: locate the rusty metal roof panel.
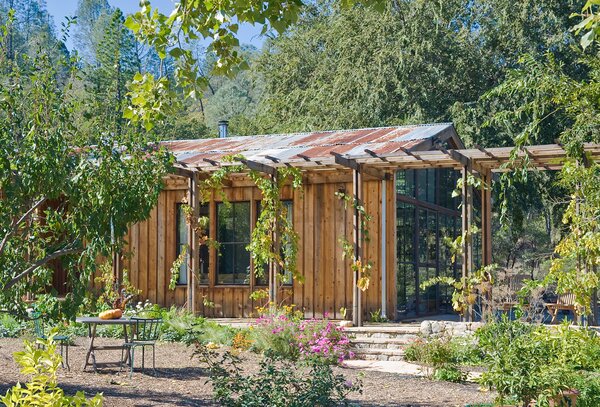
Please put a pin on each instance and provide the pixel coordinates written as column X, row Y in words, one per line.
column 315, row 145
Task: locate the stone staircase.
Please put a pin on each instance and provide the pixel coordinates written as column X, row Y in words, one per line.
column 381, row 342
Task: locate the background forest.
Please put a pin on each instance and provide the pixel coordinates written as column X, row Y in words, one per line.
column 493, row 67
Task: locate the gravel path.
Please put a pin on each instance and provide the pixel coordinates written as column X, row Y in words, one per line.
column 182, row 382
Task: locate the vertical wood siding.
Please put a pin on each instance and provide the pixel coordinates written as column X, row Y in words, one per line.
column 320, row 219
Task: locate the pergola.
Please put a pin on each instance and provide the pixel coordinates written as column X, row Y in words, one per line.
column 366, row 162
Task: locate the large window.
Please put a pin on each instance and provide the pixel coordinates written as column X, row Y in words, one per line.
column 426, row 215
column 233, row 235
column 182, row 241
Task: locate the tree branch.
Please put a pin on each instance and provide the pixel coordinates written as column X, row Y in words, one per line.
column 38, row 264
column 16, row 224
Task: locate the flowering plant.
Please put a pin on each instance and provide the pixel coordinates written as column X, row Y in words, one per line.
column 317, row 340
column 324, row 341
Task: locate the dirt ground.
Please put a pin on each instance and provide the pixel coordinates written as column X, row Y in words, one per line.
column 182, row 382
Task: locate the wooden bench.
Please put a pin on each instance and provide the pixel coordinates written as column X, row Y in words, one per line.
column 565, row 302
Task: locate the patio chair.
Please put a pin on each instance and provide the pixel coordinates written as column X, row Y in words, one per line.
column 63, row 340
column 144, row 332
column 565, row 302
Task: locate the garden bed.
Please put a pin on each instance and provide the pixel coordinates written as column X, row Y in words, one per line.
column 182, row 382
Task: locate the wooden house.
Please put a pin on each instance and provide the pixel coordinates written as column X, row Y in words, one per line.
column 404, row 176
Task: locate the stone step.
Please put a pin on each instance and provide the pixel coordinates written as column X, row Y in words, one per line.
column 378, row 354
column 381, row 343
column 407, row 337
column 395, row 330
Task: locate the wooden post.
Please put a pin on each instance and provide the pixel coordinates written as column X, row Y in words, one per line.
column 467, row 241
column 116, row 266
column 193, row 252
column 486, row 218
column 273, row 266
column 357, row 237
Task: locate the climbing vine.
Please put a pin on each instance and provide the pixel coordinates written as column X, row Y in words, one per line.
column 200, row 225
column 176, row 267
column 216, row 179
column 358, row 265
column 273, row 220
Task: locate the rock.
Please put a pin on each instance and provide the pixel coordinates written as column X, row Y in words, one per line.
column 345, row 324
column 426, row 328
column 437, row 327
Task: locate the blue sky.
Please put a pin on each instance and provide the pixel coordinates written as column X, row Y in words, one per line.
column 61, row 8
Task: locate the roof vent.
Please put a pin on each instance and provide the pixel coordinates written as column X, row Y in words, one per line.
column 223, row 124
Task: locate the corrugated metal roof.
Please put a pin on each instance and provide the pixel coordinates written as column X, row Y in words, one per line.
column 316, row 146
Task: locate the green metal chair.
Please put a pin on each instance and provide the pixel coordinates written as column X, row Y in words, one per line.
column 63, row 340
column 144, row 332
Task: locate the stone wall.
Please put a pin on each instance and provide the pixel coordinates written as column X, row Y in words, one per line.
column 448, row 328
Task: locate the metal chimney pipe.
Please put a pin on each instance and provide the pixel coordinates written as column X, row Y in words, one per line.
column 223, row 124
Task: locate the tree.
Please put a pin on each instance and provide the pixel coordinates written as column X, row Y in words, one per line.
column 106, row 80
column 63, row 199
column 235, row 99
column 555, row 100
column 90, row 27
column 417, row 61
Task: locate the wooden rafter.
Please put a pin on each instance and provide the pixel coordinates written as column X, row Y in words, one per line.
column 353, row 165
column 410, row 153
column 211, row 162
column 533, row 158
column 374, row 155
column 260, row 167
column 274, row 159
column 184, row 172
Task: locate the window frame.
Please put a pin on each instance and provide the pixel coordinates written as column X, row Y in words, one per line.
column 179, row 244
column 221, row 243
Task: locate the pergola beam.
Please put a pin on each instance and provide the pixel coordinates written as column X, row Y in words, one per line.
column 374, row 155
column 533, row 158
column 260, row 167
column 355, row 166
column 183, row 172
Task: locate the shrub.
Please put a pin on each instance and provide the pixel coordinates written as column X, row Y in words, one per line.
column 40, row 361
column 444, row 356
column 241, row 341
column 449, row 373
column 10, row 327
column 216, row 333
column 180, row 325
column 275, row 333
column 278, row 383
column 522, row 362
column 588, row 385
